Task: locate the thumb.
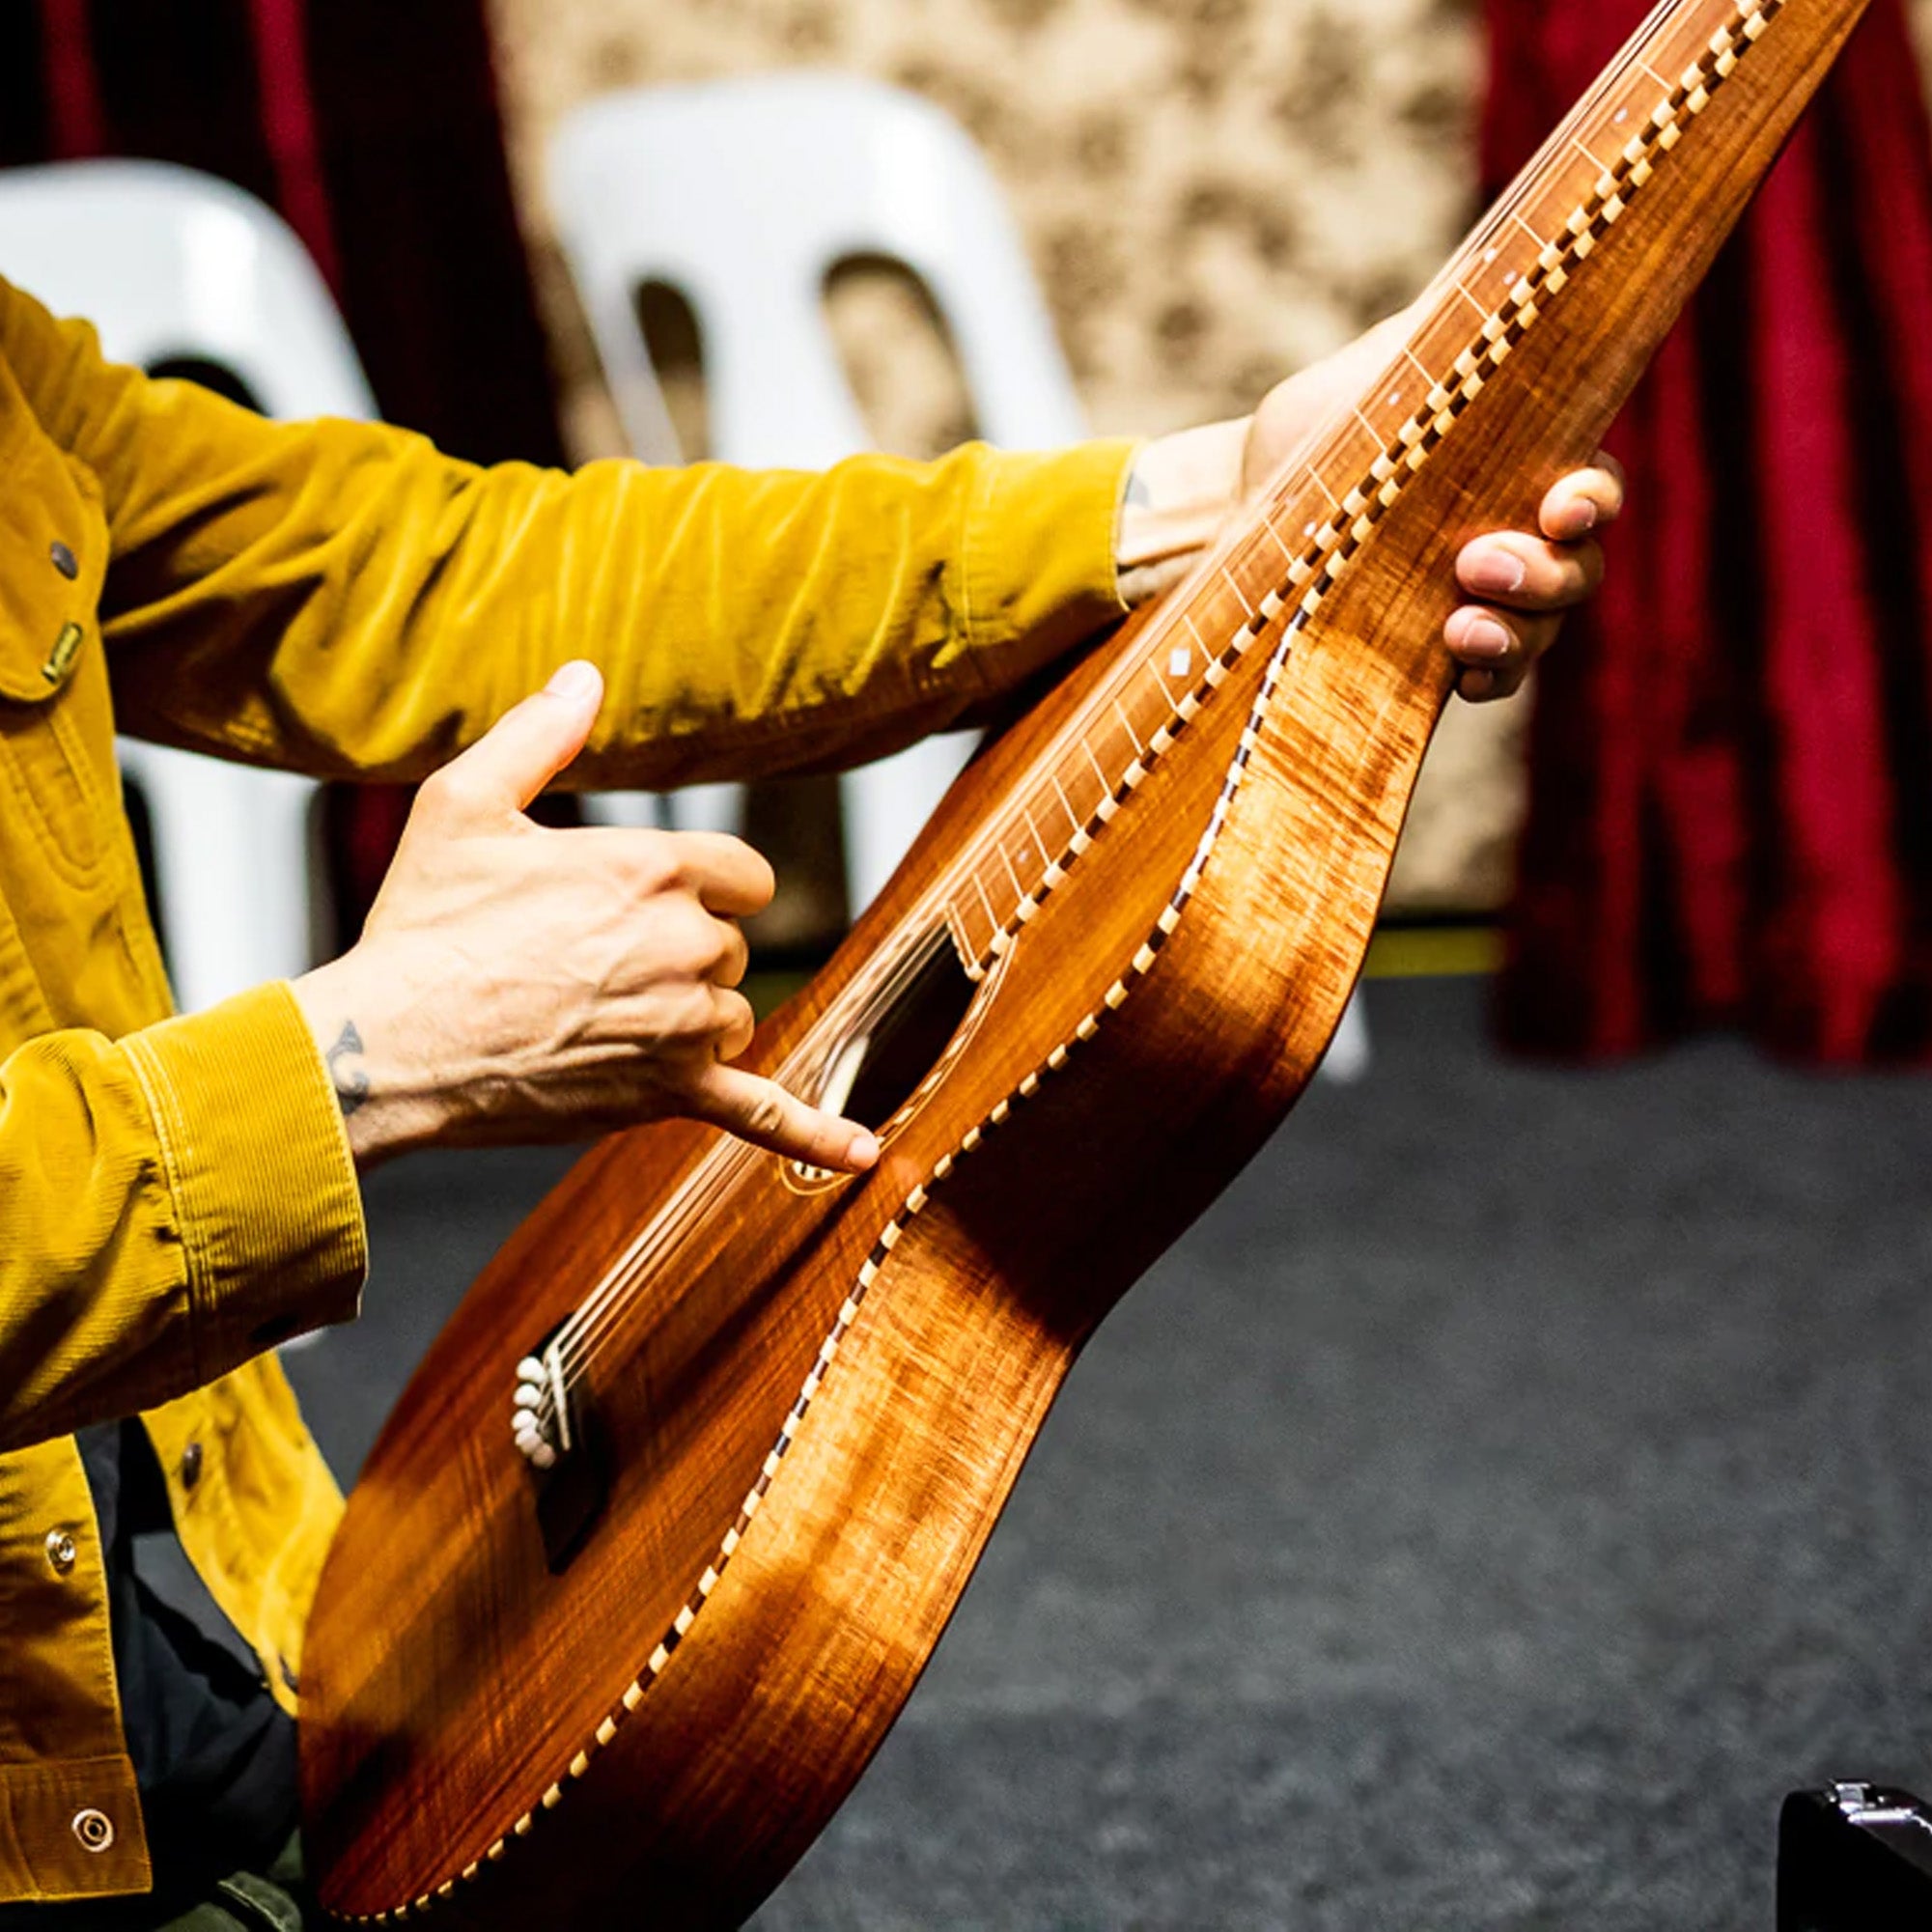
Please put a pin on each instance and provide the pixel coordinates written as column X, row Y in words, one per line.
column 530, row 743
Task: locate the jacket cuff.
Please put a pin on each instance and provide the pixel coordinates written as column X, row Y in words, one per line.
column 1037, row 554
column 259, row 1167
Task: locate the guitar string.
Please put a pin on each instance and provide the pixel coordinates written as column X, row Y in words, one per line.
column 882, row 979
column 607, row 1302
column 584, row 1330
column 923, row 920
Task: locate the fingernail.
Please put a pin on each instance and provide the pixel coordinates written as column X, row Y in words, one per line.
column 574, row 681
column 1582, row 519
column 1496, row 574
column 863, row 1150
column 1483, row 637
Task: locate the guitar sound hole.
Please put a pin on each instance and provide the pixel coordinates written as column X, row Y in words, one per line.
column 900, row 1038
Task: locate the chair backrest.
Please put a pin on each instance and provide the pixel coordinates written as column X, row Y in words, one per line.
column 167, row 264
column 744, row 195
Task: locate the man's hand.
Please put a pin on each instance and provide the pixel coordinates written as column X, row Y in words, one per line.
column 519, row 984
column 1182, row 486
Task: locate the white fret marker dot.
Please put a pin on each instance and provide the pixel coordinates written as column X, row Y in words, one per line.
column 1622, row 115
column 1489, row 255
column 1509, row 278
column 1307, row 529
column 1180, row 661
column 1395, row 397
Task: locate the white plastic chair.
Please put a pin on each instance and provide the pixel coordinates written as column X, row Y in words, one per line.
column 744, row 195
column 171, row 264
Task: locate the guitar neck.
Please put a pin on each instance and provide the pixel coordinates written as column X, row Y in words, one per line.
column 1614, row 147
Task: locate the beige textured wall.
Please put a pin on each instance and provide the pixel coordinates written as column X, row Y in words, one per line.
column 1213, row 191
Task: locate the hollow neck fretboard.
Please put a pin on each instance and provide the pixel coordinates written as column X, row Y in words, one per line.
column 1300, row 538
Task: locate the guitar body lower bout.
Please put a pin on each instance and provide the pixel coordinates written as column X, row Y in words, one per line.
column 446, row 1624
column 812, row 1398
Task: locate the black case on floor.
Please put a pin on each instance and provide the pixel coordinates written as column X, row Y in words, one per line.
column 1857, row 1858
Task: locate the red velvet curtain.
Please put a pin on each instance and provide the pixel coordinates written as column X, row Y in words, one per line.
column 1731, row 759
column 373, row 127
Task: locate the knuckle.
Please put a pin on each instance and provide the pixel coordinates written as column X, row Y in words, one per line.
column 749, row 868
column 651, row 861
column 436, row 789
column 704, row 946
column 451, row 793
column 764, row 1111
column 696, row 1011
column 733, row 956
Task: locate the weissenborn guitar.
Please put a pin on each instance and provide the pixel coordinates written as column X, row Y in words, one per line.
column 668, row 1522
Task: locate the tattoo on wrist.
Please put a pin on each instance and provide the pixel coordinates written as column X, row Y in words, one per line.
column 352, row 1084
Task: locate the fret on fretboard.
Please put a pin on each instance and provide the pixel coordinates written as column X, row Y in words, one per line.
column 1069, row 801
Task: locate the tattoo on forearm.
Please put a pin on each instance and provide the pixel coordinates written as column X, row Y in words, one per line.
column 352, row 1084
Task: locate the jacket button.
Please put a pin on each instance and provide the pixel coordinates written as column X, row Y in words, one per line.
column 61, row 1551
column 94, row 1829
column 191, row 1466
column 65, row 561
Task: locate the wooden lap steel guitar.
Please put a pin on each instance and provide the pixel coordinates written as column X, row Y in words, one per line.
column 667, row 1525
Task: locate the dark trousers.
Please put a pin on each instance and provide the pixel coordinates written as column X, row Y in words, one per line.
column 276, row 1900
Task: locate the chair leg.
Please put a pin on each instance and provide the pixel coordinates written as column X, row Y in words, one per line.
column 634, row 811
column 1347, row 1058
column 708, row 808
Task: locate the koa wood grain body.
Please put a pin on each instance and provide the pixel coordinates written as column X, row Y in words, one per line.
column 793, row 1407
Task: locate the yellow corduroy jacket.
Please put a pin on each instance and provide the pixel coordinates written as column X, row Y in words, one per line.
column 340, row 598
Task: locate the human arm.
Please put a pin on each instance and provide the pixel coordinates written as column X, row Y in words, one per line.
column 342, row 599
column 1180, row 490
column 171, row 1203
column 429, row 1067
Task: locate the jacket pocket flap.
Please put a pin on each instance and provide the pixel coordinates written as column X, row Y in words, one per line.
column 52, row 560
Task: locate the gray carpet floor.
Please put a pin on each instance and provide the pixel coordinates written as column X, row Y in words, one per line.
column 1517, row 1483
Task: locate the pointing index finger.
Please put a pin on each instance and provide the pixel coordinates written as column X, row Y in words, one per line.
column 761, row 1112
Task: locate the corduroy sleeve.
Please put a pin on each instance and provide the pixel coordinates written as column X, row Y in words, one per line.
column 171, row 1204
column 342, row 599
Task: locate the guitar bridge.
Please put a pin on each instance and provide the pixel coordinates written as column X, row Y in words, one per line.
column 541, row 1418
column 553, row 1423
